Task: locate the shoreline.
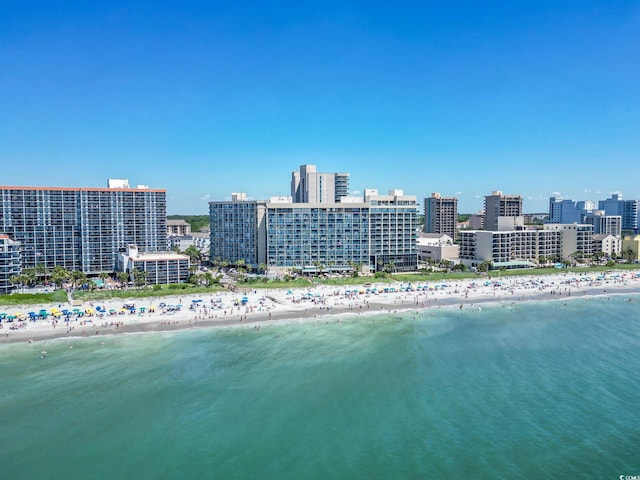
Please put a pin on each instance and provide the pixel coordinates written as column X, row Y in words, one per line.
column 266, row 307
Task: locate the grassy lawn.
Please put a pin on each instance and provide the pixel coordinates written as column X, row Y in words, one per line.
column 59, row 296
column 432, row 277
column 255, row 284
column 149, row 292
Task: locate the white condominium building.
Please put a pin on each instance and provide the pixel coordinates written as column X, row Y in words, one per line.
column 310, row 186
column 522, row 248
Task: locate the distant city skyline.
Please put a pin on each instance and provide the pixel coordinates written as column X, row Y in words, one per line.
column 534, row 99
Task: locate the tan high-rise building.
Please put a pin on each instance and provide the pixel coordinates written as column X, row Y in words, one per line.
column 440, row 215
column 498, row 205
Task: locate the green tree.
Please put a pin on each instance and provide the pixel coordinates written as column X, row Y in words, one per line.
column 123, row 278
column 77, row 278
column 485, row 266
column 59, row 275
column 629, row 253
column 207, row 278
column 20, row 279
column 354, row 265
column 195, row 257
column 31, row 275
column 41, row 271
column 140, row 277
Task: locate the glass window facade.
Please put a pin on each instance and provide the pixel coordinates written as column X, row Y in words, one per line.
column 82, row 229
column 315, row 237
column 234, row 231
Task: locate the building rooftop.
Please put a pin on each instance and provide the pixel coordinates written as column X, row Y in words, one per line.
column 176, row 222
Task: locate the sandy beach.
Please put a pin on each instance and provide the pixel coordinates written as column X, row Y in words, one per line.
column 256, row 308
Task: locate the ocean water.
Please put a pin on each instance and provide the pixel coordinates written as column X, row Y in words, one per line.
column 540, row 390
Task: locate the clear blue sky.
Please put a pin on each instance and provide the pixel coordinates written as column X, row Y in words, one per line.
column 208, row 98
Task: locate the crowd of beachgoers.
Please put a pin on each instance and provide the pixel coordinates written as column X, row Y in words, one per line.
column 254, row 307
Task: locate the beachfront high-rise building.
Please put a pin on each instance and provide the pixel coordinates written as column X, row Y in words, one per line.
column 9, row 262
column 378, row 232
column 498, row 205
column 310, row 186
column 237, row 231
column 82, row 228
column 627, row 209
column 441, row 215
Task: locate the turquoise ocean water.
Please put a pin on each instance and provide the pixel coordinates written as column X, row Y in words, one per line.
column 541, row 390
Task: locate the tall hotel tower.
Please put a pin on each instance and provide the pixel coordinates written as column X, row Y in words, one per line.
column 309, row 186
column 441, row 215
column 498, row 205
column 83, row 228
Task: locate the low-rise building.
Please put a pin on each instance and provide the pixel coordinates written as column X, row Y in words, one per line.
column 630, row 248
column 436, row 247
column 160, row 267
column 607, row 244
column 524, row 248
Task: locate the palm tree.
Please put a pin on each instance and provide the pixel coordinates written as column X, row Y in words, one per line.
column 20, row 279
column 59, row 275
column 123, row 278
column 31, row 275
column 630, row 254
column 484, row 266
column 207, row 277
column 40, row 270
column 194, row 254
column 140, row 277
column 77, row 277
